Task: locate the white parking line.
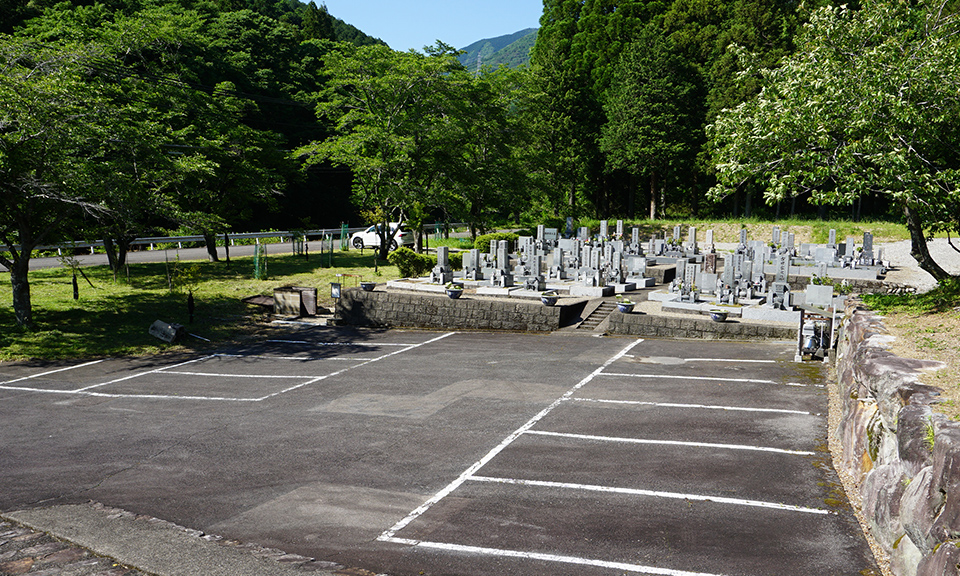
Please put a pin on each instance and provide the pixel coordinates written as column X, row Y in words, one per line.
column 700, row 406
column 671, row 442
column 219, row 375
column 652, row 493
column 712, row 378
column 368, row 344
column 469, row 472
column 290, row 358
column 51, row 372
column 503, row 553
column 90, row 390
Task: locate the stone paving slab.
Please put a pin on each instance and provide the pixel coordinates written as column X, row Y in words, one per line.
column 96, row 540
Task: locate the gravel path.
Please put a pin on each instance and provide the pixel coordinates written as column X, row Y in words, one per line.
column 905, row 269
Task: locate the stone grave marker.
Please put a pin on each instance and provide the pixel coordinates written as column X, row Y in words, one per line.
column 710, row 263
column 783, row 268
column 819, row 296
column 604, row 229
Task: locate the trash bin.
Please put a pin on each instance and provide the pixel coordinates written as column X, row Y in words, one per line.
column 295, row 301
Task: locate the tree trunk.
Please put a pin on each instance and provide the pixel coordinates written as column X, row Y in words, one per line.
column 653, row 196
column 210, row 239
column 918, row 245
column 20, row 283
column 226, row 246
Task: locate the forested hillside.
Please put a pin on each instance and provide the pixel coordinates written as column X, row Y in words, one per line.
column 136, row 117
column 512, row 50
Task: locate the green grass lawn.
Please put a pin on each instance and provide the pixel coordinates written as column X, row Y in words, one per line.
column 112, row 317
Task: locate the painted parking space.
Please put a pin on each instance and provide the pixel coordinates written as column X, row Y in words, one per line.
column 257, row 372
column 639, row 478
column 409, row 452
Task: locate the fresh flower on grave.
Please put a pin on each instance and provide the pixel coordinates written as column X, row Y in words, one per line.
column 454, row 286
column 549, row 293
column 622, row 300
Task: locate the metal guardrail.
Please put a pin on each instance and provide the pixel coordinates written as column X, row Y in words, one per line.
column 151, row 241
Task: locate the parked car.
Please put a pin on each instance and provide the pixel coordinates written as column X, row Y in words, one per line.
column 370, row 238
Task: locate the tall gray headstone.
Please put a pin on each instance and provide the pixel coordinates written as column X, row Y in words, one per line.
column 867, row 246
column 833, row 238
column 776, row 235
column 604, row 229
column 783, row 268
column 710, row 263
column 620, row 229
column 743, row 236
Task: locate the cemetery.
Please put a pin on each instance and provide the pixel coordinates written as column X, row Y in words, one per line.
column 679, row 285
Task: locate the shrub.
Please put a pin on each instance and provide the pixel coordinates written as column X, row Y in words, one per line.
column 409, row 263
column 482, row 243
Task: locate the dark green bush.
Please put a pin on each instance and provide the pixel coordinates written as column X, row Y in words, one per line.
column 482, row 243
column 412, row 265
column 409, row 263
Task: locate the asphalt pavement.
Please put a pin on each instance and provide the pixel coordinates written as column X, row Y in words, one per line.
column 413, row 452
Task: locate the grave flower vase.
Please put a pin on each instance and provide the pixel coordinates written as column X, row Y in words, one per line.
column 549, row 299
column 368, row 286
column 454, row 293
column 625, row 307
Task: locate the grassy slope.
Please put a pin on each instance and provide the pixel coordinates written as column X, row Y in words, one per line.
column 112, row 318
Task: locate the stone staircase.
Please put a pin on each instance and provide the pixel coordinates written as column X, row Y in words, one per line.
column 593, row 321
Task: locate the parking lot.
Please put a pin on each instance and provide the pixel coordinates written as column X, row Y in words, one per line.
column 413, row 452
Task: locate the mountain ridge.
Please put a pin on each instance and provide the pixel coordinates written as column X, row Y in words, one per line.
column 512, row 50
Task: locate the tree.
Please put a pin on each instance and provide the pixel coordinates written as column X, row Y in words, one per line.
column 49, row 115
column 868, row 104
column 654, row 114
column 392, row 112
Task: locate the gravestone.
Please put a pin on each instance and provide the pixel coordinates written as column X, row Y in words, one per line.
column 620, row 229
column 783, row 268
column 550, row 236
column 692, row 240
column 832, row 242
column 584, row 234
column 819, row 296
column 603, row 229
column 743, row 236
column 867, row 248
column 776, row 235
column 710, row 247
column 710, row 263
column 569, row 231
column 676, row 234
column 441, row 273
column 689, row 278
column 821, row 270
column 635, row 237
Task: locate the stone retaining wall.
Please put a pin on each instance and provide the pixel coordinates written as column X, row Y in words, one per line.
column 695, row 327
column 905, row 458
column 376, row 308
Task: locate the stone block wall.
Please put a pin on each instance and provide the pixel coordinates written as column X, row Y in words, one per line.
column 695, row 327
column 905, row 457
column 376, row 308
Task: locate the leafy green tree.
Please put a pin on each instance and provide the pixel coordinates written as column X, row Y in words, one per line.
column 654, row 115
column 48, row 116
column 391, row 111
column 868, row 104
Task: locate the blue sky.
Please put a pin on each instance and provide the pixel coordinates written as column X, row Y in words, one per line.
column 418, row 23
